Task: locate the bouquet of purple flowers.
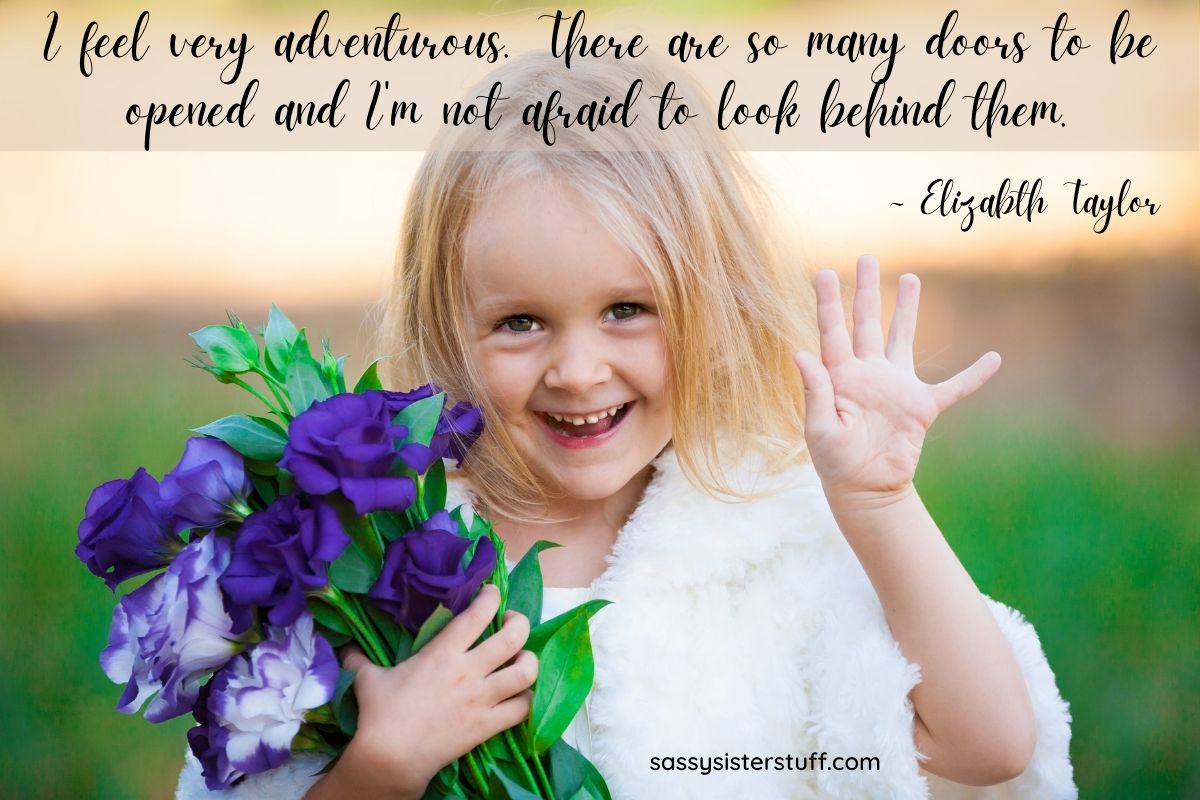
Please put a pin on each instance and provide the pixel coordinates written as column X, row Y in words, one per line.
column 322, row 524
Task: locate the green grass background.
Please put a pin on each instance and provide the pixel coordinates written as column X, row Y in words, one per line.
column 1097, row 543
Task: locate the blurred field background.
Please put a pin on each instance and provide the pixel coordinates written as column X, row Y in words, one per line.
column 1068, row 485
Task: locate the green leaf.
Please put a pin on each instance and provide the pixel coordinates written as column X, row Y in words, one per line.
column 267, row 469
column 328, row 616
column 231, row 349
column 369, row 380
column 340, row 382
column 501, row 786
column 305, row 381
column 421, row 418
column 565, row 671
column 353, row 571
column 434, row 487
column 540, row 635
column 345, row 707
column 253, row 437
column 337, row 640
column 440, row 788
column 525, row 583
column 264, row 486
column 437, row 620
column 480, row 527
column 456, row 514
column 278, row 338
column 573, row 776
column 390, row 526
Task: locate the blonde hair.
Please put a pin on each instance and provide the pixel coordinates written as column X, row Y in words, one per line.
column 694, row 216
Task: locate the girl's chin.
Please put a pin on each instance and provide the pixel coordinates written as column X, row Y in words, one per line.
column 586, row 483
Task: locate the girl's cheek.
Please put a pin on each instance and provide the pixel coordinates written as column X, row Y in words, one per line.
column 509, row 379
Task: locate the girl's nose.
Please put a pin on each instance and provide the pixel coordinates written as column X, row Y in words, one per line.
column 578, row 366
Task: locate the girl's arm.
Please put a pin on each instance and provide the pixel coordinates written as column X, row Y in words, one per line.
column 974, row 717
column 866, row 418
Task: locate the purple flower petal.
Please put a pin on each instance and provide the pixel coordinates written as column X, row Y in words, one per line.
column 123, row 532
column 254, row 707
column 283, row 552
column 424, row 568
column 379, row 494
column 168, row 635
column 201, row 490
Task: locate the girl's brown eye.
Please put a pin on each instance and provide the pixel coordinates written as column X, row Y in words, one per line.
column 627, row 310
column 521, row 321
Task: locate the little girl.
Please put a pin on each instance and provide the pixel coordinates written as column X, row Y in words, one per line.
column 718, row 456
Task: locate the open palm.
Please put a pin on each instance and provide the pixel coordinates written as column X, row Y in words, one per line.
column 867, row 412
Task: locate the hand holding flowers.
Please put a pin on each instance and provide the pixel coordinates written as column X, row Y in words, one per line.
column 402, row 738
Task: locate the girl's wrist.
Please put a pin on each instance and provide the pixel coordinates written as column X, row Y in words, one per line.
column 859, row 506
column 367, row 771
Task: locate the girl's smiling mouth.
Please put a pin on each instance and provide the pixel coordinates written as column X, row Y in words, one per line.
column 563, row 430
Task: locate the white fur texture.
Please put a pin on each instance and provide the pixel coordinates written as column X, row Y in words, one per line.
column 752, row 629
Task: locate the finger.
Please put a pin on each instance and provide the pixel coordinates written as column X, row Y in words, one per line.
column 868, row 329
column 355, row 660
column 515, row 678
column 831, row 320
column 498, row 648
column 468, row 625
column 512, row 711
column 819, row 411
column 903, row 329
column 950, row 391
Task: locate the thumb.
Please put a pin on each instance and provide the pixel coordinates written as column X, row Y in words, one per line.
column 819, row 411
column 355, row 660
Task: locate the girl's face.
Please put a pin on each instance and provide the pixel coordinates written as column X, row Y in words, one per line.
column 563, row 322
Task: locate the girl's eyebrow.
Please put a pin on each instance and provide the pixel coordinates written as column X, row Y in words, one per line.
column 496, row 302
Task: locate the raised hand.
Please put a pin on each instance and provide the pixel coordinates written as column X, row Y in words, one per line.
column 867, row 412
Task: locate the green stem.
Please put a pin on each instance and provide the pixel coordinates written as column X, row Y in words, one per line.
column 545, row 779
column 275, row 386
column 420, row 503
column 365, row 632
column 476, row 773
column 543, row 788
column 501, row 576
column 377, row 536
column 238, row 381
column 369, row 622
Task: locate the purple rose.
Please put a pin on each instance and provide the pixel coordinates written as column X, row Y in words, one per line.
column 349, row 443
column 207, row 487
column 281, row 553
column 253, row 708
column 124, row 532
column 172, row 632
column 457, row 429
column 424, row 568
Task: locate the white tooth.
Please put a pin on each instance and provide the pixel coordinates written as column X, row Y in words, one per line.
column 594, row 418
column 577, row 420
column 554, row 417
